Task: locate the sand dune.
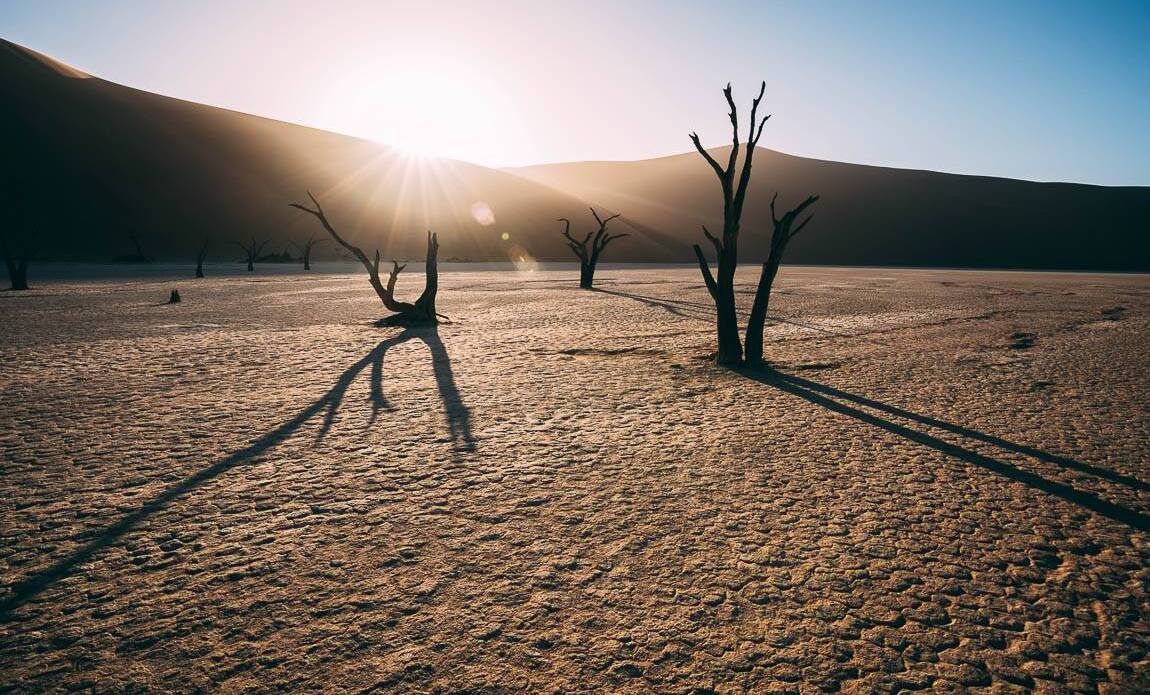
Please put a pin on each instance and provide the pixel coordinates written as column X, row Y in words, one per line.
column 879, row 216
column 93, row 161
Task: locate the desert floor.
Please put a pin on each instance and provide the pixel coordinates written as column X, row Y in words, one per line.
column 945, row 485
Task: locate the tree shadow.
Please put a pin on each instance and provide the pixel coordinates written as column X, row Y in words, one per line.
column 458, row 421
column 826, row 396
column 701, row 311
column 691, row 310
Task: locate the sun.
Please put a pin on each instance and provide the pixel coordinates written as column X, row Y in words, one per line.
column 427, row 109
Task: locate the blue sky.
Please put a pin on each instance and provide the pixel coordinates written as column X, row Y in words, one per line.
column 1036, row 90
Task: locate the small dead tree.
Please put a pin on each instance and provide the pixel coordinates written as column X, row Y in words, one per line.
column 201, row 256
column 721, row 285
column 784, row 230
column 422, row 312
column 17, row 263
column 589, row 257
column 139, row 256
column 252, row 251
column 306, row 247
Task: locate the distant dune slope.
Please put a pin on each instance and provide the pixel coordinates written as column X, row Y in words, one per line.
column 87, row 162
column 881, row 216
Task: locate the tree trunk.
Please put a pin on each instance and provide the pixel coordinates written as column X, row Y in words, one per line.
column 18, row 273
column 307, row 261
column 730, row 352
column 199, row 269
column 758, row 317
column 425, row 305
column 251, row 267
column 586, row 275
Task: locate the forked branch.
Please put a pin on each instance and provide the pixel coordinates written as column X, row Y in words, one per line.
column 423, row 310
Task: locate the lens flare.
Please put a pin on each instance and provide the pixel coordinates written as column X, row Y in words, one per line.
column 523, row 261
column 482, row 213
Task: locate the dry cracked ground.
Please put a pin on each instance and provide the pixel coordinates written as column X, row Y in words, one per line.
column 943, row 486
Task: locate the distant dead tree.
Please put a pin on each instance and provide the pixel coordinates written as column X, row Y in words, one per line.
column 722, row 284
column 423, row 310
column 201, row 256
column 306, row 247
column 252, row 251
column 17, row 263
column 139, row 256
column 589, row 257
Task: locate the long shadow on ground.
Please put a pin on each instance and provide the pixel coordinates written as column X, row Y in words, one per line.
column 700, row 311
column 458, row 422
column 832, row 399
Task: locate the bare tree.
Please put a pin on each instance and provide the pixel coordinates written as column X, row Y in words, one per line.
column 419, row 313
column 139, row 256
column 17, row 263
column 721, row 285
column 589, row 257
column 201, row 256
column 784, row 230
column 252, row 251
column 306, row 247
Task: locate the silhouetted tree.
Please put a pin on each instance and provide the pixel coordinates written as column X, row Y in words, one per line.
column 423, row 310
column 201, row 255
column 721, row 285
column 252, row 251
column 784, row 230
column 589, row 257
column 306, row 247
column 139, row 256
column 17, row 263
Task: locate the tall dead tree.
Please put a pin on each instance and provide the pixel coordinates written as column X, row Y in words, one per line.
column 784, row 230
column 589, row 257
column 734, row 183
column 306, row 247
column 17, row 263
column 252, row 251
column 421, row 312
column 201, row 256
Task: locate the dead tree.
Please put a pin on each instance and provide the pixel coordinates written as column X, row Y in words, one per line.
column 252, row 251
column 721, row 285
column 17, row 264
column 589, row 257
column 201, row 256
column 422, row 312
column 784, row 230
column 306, row 247
column 139, row 256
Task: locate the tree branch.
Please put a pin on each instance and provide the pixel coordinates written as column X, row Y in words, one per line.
column 386, row 294
column 708, row 278
column 714, row 241
column 710, row 160
column 734, row 114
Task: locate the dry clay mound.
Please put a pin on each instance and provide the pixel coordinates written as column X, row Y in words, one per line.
column 91, row 162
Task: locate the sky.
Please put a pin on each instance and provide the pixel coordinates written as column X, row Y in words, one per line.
column 1049, row 91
